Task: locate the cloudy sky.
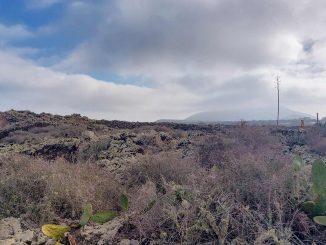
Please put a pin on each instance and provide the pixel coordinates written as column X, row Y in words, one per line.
column 143, row 60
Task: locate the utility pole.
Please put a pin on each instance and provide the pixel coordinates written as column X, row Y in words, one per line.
column 278, row 98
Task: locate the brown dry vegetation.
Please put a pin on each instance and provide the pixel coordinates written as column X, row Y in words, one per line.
column 234, row 186
column 42, row 191
column 316, row 139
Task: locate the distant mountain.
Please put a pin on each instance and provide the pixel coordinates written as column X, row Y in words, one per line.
column 249, row 114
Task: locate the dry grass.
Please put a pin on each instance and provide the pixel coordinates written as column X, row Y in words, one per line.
column 42, row 190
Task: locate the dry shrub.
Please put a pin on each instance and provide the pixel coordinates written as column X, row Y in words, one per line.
column 316, row 139
column 212, row 151
column 319, row 145
column 257, row 198
column 242, row 199
column 253, row 178
column 148, row 140
column 254, row 136
column 66, row 130
column 23, row 197
column 158, row 185
column 257, row 178
column 59, row 130
column 253, row 139
column 17, row 137
column 41, row 190
column 74, row 185
column 156, row 168
column 163, row 216
column 37, row 135
column 223, row 149
column 53, row 131
column 247, row 193
column 179, row 134
column 91, row 151
column 154, row 142
column 3, row 122
column 145, row 198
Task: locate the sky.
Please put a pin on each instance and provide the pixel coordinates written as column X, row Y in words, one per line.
column 143, row 60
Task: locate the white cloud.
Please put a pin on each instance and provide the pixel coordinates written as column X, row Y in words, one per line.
column 24, row 85
column 13, row 32
column 41, row 4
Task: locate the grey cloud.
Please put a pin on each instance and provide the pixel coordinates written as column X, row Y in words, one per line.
column 302, row 96
column 241, row 92
column 185, row 34
column 308, row 45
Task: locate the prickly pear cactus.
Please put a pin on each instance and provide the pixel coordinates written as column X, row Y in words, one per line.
column 124, row 202
column 319, row 178
column 56, row 232
column 87, row 214
column 103, row 217
column 317, row 207
column 321, row 220
column 297, row 164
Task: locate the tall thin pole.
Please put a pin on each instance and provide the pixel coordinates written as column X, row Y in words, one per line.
column 278, row 98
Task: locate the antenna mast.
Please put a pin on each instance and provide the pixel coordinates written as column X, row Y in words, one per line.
column 278, row 98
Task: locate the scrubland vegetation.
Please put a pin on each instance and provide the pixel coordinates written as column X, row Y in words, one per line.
column 215, row 185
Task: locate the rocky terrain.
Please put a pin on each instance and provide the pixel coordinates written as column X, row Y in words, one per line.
column 107, row 142
column 186, row 170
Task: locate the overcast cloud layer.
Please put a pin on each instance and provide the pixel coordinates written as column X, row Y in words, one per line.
column 150, row 59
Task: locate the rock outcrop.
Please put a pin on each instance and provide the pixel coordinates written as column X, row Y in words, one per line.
column 12, row 233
